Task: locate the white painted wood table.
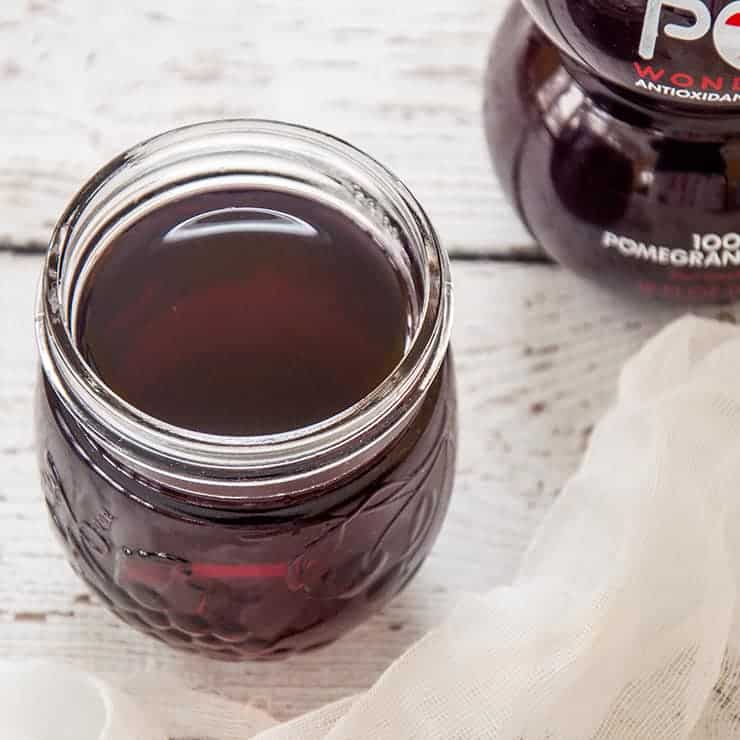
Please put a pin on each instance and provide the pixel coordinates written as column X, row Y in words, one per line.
column 538, row 351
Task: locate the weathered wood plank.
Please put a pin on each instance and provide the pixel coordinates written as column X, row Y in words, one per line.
column 82, row 80
column 538, row 352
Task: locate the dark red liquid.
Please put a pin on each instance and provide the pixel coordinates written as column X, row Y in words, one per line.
column 613, row 185
column 244, row 314
column 227, row 581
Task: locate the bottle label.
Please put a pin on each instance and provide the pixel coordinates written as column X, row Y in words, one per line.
column 704, row 252
column 696, row 24
column 705, row 269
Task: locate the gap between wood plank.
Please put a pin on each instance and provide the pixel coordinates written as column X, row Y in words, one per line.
column 22, row 250
column 515, row 254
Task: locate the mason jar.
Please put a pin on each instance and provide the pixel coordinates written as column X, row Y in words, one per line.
column 246, row 547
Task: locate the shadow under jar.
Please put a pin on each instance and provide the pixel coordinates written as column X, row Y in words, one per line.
column 246, row 418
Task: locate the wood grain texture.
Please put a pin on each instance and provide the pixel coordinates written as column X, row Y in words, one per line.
column 83, row 80
column 538, row 353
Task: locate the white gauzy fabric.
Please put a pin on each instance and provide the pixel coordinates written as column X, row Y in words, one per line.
column 622, row 623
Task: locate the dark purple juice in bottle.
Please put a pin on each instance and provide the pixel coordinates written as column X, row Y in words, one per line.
column 243, row 314
column 615, row 130
column 246, row 419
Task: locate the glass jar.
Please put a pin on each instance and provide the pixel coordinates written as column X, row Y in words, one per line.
column 247, row 547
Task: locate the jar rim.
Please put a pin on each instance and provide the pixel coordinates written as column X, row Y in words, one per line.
column 151, row 445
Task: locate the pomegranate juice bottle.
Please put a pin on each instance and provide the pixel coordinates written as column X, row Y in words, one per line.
column 615, row 129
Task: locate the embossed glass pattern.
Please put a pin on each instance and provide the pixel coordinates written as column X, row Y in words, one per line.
column 247, row 547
